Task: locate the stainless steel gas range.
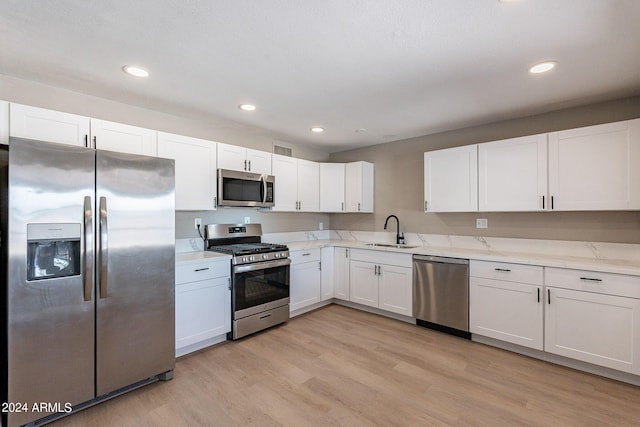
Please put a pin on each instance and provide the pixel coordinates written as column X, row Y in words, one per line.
column 259, row 276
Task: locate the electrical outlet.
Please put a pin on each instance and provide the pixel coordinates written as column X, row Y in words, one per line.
column 198, row 223
column 321, row 226
column 482, row 223
column 247, row 220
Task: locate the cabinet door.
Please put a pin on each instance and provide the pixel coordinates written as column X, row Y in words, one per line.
column 305, row 284
column 4, row 122
column 451, row 180
column 506, row 311
column 341, row 273
column 258, row 161
column 359, row 187
column 363, row 283
column 123, row 138
column 285, row 170
column 596, row 168
column 232, row 157
column 327, row 273
column 332, row 187
column 308, row 186
column 396, row 289
column 595, row 328
column 203, row 310
column 512, row 174
column 48, row 125
column 195, row 162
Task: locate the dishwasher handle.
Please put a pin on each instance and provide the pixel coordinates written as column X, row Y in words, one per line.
column 444, row 260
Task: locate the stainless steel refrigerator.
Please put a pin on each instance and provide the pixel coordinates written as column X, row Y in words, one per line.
column 87, row 252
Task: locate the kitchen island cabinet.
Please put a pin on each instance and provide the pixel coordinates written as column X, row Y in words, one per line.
column 203, row 304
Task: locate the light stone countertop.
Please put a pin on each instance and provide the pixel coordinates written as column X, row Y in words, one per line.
column 577, row 263
column 196, row 257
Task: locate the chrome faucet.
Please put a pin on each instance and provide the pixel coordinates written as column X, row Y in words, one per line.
column 399, row 236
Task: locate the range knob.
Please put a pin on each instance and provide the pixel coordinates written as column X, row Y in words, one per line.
column 283, row 255
column 276, row 255
column 244, row 259
column 265, row 256
column 252, row 258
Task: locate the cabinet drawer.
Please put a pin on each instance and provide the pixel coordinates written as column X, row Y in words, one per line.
column 593, row 281
column 381, row 257
column 305, row 256
column 521, row 273
column 192, row 272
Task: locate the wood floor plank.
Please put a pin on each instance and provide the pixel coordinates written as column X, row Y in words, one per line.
column 338, row 366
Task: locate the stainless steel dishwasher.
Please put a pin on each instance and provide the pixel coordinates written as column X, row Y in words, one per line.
column 441, row 294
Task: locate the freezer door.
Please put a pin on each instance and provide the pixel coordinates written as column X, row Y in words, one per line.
column 50, row 306
column 135, row 269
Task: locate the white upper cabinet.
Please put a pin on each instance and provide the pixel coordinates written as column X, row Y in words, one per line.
column 512, row 174
column 4, row 122
column 451, row 179
column 48, row 125
column 243, row 159
column 195, row 163
column 332, row 187
column 595, row 167
column 359, row 187
column 123, row 138
column 297, row 184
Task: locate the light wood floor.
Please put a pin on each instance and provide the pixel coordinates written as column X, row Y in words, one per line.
column 338, row 366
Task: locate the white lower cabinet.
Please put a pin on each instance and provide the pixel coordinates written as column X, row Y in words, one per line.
column 584, row 323
column 341, row 273
column 305, row 279
column 327, row 273
column 203, row 304
column 506, row 302
column 382, row 280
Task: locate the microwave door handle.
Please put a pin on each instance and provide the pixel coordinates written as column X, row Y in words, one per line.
column 103, row 249
column 264, row 189
column 87, row 252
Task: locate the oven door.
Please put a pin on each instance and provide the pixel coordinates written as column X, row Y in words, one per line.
column 260, row 286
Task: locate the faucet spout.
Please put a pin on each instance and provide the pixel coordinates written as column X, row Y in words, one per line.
column 399, row 237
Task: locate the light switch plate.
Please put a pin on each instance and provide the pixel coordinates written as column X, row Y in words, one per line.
column 482, row 223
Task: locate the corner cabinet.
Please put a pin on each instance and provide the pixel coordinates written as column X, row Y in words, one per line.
column 512, row 174
column 203, row 304
column 593, row 317
column 505, row 302
column 595, row 167
column 195, row 165
column 451, row 180
column 359, row 185
column 327, row 273
column 382, row 279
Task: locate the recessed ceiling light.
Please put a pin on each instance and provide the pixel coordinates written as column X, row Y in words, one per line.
column 247, row 107
column 543, row 67
column 317, row 129
column 134, row 71
column 361, row 130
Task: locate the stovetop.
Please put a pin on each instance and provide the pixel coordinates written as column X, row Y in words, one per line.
column 248, row 248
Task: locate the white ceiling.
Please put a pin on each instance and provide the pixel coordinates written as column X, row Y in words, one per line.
column 398, row 69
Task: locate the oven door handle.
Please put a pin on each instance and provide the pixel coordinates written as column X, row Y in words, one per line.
column 261, row 265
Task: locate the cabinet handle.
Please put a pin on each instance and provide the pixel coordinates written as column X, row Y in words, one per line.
column 542, row 202
column 249, row 165
column 245, row 165
column 375, row 270
column 425, row 206
column 538, row 295
column 320, row 265
column 551, row 202
column 358, row 206
column 549, row 296
column 506, row 270
column 306, row 254
column 591, row 279
column 342, row 207
column 201, row 269
column 86, row 140
column 346, row 253
column 229, row 280
column 379, row 270
column 215, row 201
column 95, row 142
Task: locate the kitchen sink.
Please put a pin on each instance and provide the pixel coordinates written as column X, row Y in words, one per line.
column 392, row 245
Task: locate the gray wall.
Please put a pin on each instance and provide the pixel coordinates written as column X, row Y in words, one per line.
column 399, row 183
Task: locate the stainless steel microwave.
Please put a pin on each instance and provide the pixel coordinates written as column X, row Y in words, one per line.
column 245, row 189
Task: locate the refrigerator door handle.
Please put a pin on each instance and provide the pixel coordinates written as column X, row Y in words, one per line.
column 87, row 252
column 103, row 249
